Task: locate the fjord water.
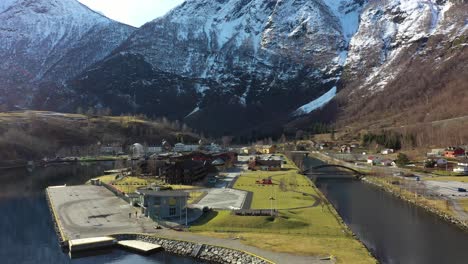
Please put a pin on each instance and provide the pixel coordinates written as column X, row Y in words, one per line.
column 394, row 231
column 26, row 228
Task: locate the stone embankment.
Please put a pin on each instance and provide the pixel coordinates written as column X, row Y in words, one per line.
column 432, row 210
column 205, row 252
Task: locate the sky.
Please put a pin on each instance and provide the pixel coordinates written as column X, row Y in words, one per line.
column 132, row 12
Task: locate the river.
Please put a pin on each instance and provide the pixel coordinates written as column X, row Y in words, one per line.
column 26, row 228
column 394, row 231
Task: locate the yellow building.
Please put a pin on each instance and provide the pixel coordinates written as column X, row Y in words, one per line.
column 265, row 149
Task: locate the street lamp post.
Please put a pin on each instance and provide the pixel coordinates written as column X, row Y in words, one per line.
column 186, row 211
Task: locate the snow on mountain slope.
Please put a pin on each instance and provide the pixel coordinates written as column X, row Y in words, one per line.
column 216, row 39
column 388, row 28
column 5, row 4
column 408, row 56
column 241, row 55
column 317, row 103
column 53, row 40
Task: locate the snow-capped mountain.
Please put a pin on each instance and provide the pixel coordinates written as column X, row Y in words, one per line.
column 255, row 58
column 52, row 40
column 226, row 66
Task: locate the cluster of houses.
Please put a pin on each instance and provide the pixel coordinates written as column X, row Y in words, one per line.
column 438, row 157
column 375, row 160
column 258, row 149
column 266, row 163
column 187, row 168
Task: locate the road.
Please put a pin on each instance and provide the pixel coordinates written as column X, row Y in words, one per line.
column 221, row 196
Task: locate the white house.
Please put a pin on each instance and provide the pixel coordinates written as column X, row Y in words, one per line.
column 154, row 150
column 463, row 163
column 214, row 148
column 387, row 151
column 137, row 150
column 461, row 170
column 179, row 147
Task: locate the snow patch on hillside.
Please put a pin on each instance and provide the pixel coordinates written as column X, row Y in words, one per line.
column 317, row 103
column 5, row 4
column 193, row 112
column 348, row 14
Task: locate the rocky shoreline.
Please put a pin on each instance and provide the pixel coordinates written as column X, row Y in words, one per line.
column 209, row 253
column 434, row 211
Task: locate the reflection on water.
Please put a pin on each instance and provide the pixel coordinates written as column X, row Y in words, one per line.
column 26, row 229
column 395, row 231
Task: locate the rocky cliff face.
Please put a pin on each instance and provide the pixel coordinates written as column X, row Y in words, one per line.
column 407, row 58
column 50, row 40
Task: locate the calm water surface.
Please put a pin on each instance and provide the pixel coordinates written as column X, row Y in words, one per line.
column 26, row 230
column 395, row 231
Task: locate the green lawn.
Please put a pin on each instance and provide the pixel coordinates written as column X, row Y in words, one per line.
column 130, row 184
column 289, row 196
column 311, row 231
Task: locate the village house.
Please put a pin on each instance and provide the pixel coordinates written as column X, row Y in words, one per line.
column 179, row 147
column 184, row 172
column 453, row 152
column 265, row 149
column 387, row 151
column 150, row 150
column 441, row 162
column 373, row 160
column 159, row 205
column 111, row 150
column 265, row 164
column 461, row 170
column 463, row 163
column 387, row 162
column 436, row 153
column 345, row 149
column 247, row 150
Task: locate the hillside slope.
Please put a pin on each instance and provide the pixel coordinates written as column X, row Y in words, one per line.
column 407, row 63
column 35, row 134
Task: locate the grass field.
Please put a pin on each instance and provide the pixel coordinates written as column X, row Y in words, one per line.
column 447, row 178
column 313, row 230
column 464, row 204
column 131, row 184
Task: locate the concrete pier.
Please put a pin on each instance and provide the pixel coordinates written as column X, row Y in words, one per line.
column 140, row 246
column 88, row 211
column 92, row 243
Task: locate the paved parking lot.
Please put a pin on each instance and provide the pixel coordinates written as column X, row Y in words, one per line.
column 222, row 198
column 448, row 188
column 90, row 211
